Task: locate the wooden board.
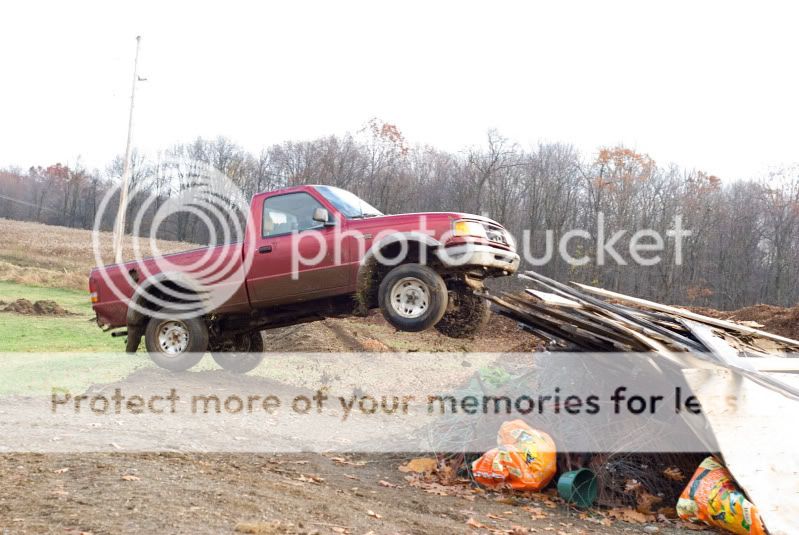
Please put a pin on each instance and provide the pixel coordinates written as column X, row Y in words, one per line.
column 758, row 435
column 729, row 325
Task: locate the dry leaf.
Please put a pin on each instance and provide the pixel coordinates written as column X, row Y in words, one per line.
column 447, row 475
column 632, row 486
column 61, row 471
column 630, row 515
column 384, row 483
column 343, row 460
column 536, row 512
column 494, row 517
column 373, row 514
column 472, row 523
column 130, row 477
column 310, row 479
column 420, row 465
column 674, row 473
column 517, row 530
column 348, row 476
column 645, row 502
column 667, row 512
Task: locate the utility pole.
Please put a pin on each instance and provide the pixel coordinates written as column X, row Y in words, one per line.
column 119, row 226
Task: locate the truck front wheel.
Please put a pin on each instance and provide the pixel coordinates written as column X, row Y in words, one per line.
column 412, row 297
column 176, row 344
column 240, row 354
column 466, row 313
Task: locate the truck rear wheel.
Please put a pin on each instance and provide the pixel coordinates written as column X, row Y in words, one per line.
column 412, row 297
column 176, row 344
column 240, row 354
column 466, row 313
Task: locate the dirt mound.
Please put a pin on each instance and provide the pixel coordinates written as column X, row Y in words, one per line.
column 777, row 320
column 374, row 334
column 39, row 308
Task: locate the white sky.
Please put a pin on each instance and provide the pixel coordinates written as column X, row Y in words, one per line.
column 712, row 85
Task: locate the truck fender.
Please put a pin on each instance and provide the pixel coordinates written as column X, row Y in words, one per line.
column 367, row 270
column 137, row 315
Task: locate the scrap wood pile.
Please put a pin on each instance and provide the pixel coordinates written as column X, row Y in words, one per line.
column 572, row 320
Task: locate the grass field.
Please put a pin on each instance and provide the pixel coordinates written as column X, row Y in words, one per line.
column 46, row 262
column 42, row 345
column 60, row 257
column 43, row 333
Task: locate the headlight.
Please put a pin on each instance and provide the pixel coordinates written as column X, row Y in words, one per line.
column 463, row 227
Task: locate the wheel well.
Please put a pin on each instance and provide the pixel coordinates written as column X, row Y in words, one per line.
column 149, row 294
column 373, row 268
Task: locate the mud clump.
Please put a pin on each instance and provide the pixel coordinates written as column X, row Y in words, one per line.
column 39, row 308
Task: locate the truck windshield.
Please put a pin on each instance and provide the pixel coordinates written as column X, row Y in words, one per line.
column 347, row 203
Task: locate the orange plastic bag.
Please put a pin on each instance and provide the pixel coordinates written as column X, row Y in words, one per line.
column 524, row 460
column 712, row 497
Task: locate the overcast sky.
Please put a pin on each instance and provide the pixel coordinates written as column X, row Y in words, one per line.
column 711, row 85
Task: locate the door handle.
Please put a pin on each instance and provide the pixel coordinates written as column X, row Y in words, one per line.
column 265, row 249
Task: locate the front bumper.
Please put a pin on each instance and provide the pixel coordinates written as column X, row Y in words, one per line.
column 470, row 255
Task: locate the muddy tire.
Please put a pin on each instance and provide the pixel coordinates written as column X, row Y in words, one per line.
column 466, row 313
column 241, row 354
column 412, row 297
column 176, row 344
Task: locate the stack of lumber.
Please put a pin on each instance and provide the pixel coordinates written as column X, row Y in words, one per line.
column 574, row 319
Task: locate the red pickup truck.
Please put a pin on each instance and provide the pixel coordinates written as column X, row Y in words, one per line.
column 309, row 252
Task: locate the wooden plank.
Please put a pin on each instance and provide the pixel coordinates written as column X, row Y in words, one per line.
column 757, row 434
column 688, row 314
column 775, row 364
column 614, row 310
column 590, row 323
column 554, row 299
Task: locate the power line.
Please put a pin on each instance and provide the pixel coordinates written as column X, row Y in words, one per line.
column 29, row 204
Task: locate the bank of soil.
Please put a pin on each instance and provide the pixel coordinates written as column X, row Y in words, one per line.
column 37, row 308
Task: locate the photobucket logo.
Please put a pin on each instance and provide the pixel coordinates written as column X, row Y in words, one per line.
column 432, row 240
column 644, row 245
column 176, row 193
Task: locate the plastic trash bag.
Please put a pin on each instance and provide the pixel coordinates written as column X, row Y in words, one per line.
column 713, row 497
column 524, row 460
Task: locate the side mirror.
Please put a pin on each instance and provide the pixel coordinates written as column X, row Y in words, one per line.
column 321, row 215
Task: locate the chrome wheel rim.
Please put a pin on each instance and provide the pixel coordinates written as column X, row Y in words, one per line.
column 173, row 337
column 410, row 297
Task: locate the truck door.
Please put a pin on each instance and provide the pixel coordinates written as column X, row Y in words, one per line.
column 276, row 274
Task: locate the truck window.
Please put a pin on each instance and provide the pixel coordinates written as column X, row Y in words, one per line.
column 284, row 214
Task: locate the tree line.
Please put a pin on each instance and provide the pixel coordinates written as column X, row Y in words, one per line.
column 743, row 246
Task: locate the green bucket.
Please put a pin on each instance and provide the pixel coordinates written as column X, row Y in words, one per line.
column 578, row 487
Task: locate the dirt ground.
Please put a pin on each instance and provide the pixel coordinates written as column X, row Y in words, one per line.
column 284, row 493
column 302, row 493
